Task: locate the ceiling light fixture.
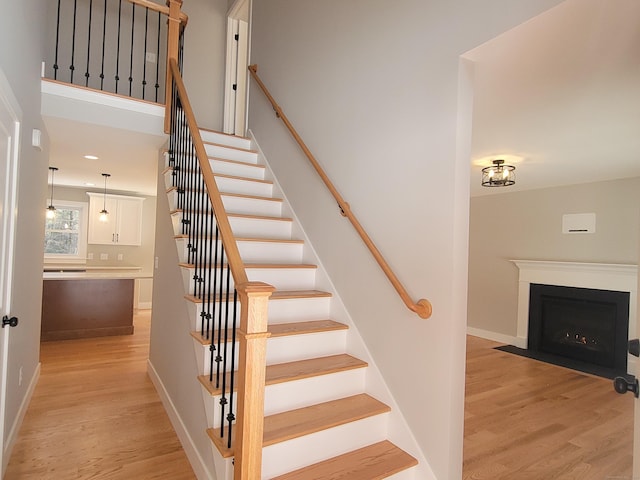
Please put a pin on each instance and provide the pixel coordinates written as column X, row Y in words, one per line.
column 498, row 175
column 51, row 210
column 91, row 157
column 104, row 215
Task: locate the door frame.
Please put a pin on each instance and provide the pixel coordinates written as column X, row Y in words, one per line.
column 10, row 105
column 236, row 74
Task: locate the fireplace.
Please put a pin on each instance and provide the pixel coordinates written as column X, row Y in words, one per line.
column 580, row 324
column 578, row 278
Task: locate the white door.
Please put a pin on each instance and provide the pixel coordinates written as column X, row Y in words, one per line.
column 9, row 141
column 236, row 74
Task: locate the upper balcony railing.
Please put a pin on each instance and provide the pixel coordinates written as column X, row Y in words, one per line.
column 115, row 46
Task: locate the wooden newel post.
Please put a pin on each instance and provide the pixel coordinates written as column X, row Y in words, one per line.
column 173, row 46
column 253, row 337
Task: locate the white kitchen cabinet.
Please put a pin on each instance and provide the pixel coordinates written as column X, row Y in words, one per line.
column 124, row 222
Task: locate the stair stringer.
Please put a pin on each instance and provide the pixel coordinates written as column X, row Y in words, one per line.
column 398, row 429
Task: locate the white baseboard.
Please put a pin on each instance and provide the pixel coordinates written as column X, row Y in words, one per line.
column 15, row 428
column 200, row 468
column 498, row 337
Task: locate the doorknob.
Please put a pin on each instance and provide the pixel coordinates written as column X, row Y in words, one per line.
column 634, row 347
column 622, row 385
column 12, row 322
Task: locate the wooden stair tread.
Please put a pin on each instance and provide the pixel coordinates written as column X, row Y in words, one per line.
column 307, row 420
column 253, row 197
column 269, row 240
column 259, row 217
column 244, row 215
column 244, row 179
column 254, row 239
column 237, row 162
column 298, row 370
column 374, row 462
column 277, row 295
column 230, row 147
column 287, row 329
column 230, row 135
column 259, row 265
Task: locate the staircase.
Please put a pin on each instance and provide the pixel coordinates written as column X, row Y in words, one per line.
column 319, row 420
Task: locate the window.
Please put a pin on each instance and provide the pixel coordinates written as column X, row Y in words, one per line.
column 65, row 235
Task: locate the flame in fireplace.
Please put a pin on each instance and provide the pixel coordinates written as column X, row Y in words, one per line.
column 578, row 338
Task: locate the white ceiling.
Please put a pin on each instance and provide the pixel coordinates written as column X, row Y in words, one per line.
column 559, row 97
column 131, row 158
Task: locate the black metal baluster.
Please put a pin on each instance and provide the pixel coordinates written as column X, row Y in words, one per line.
column 73, row 40
column 133, row 20
column 144, row 61
column 86, row 74
column 216, row 303
column 55, row 61
column 158, row 58
column 231, row 417
column 224, row 400
column 211, row 290
column 203, row 231
column 218, row 274
column 104, row 39
column 225, row 356
column 117, row 77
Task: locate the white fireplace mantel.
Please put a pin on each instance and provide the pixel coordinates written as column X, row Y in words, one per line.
column 600, row 276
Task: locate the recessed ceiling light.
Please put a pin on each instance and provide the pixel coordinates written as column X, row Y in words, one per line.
column 91, row 157
column 89, row 184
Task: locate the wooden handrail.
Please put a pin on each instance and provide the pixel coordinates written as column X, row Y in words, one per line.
column 236, row 264
column 253, row 333
column 159, row 8
column 422, row 307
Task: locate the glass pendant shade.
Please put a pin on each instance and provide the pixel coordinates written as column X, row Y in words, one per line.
column 51, row 210
column 104, row 214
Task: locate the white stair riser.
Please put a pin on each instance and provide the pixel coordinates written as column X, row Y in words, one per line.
column 229, row 153
column 256, row 252
column 245, row 227
column 252, row 186
column 299, row 452
column 282, row 349
column 309, row 391
column 262, row 252
column 252, row 206
column 280, row 311
column 244, row 187
column 245, row 170
column 281, row 278
column 222, row 139
column 300, row 393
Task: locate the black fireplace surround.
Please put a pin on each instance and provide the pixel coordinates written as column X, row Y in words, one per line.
column 580, row 324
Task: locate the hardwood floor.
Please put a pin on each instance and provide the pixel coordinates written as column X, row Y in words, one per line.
column 529, row 420
column 96, row 415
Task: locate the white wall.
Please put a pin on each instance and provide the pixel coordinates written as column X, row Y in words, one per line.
column 373, row 88
column 21, row 53
column 171, row 351
column 528, row 225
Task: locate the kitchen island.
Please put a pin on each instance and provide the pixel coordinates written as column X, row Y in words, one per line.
column 84, row 302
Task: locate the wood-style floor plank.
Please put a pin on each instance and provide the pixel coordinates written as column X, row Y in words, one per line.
column 530, row 420
column 96, row 415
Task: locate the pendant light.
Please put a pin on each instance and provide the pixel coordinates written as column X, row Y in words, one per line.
column 498, row 175
column 104, row 215
column 51, row 210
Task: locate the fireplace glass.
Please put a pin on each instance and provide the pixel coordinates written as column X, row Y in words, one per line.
column 582, row 324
